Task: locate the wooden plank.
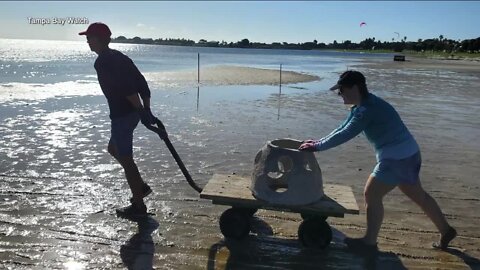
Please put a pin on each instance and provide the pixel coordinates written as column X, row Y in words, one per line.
column 235, row 190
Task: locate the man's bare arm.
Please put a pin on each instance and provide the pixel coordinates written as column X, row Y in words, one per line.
column 146, row 102
column 135, row 100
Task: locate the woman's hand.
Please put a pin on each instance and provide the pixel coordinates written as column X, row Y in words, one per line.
column 308, row 145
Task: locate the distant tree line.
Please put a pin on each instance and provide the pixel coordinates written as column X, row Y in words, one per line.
column 434, row 44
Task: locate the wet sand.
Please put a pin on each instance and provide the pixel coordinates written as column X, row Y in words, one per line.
column 59, row 187
column 232, row 75
column 464, row 66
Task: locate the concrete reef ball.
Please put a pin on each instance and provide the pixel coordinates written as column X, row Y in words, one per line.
column 284, row 175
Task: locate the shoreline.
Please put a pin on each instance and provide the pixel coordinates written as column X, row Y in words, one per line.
column 418, row 63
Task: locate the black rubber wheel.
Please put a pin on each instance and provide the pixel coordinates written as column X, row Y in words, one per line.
column 235, row 223
column 249, row 211
column 315, row 233
column 306, row 216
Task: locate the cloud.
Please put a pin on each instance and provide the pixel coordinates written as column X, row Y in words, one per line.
column 142, row 25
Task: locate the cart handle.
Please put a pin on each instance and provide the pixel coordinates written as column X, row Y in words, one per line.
column 162, row 133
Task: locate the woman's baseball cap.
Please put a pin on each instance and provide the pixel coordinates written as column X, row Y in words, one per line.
column 350, row 78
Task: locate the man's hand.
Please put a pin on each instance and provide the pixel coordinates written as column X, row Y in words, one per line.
column 146, row 116
column 308, row 145
column 162, row 132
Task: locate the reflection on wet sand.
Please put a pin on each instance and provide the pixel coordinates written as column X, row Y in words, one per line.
column 198, row 97
column 267, row 252
column 137, row 253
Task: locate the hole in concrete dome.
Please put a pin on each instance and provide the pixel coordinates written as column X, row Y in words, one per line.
column 277, row 185
column 288, row 144
column 281, row 190
column 285, row 164
column 275, row 175
column 307, row 166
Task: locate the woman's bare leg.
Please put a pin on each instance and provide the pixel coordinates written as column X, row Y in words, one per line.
column 417, row 194
column 374, row 192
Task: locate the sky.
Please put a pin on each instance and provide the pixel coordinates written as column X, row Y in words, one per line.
column 231, row 21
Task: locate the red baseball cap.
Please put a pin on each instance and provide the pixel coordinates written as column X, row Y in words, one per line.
column 97, row 29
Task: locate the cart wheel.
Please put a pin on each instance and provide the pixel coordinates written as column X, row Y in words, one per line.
column 306, row 216
column 249, row 211
column 235, row 223
column 315, row 233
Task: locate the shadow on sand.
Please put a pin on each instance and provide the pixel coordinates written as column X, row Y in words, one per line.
column 472, row 262
column 137, row 252
column 263, row 251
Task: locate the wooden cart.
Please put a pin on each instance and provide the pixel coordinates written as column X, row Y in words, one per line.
column 314, row 231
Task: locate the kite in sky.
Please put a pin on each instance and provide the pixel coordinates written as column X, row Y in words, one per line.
column 362, row 24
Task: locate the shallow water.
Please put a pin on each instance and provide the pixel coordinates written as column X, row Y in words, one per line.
column 59, row 186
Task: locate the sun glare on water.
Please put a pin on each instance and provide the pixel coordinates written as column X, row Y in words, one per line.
column 73, row 265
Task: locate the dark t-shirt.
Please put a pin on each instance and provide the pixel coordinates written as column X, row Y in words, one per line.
column 119, row 77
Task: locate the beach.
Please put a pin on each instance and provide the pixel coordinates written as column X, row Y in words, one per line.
column 460, row 65
column 233, row 75
column 60, row 188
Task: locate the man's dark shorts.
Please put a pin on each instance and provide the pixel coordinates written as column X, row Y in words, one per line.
column 122, row 133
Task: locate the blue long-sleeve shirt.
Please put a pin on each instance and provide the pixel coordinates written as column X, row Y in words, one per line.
column 119, row 77
column 382, row 126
